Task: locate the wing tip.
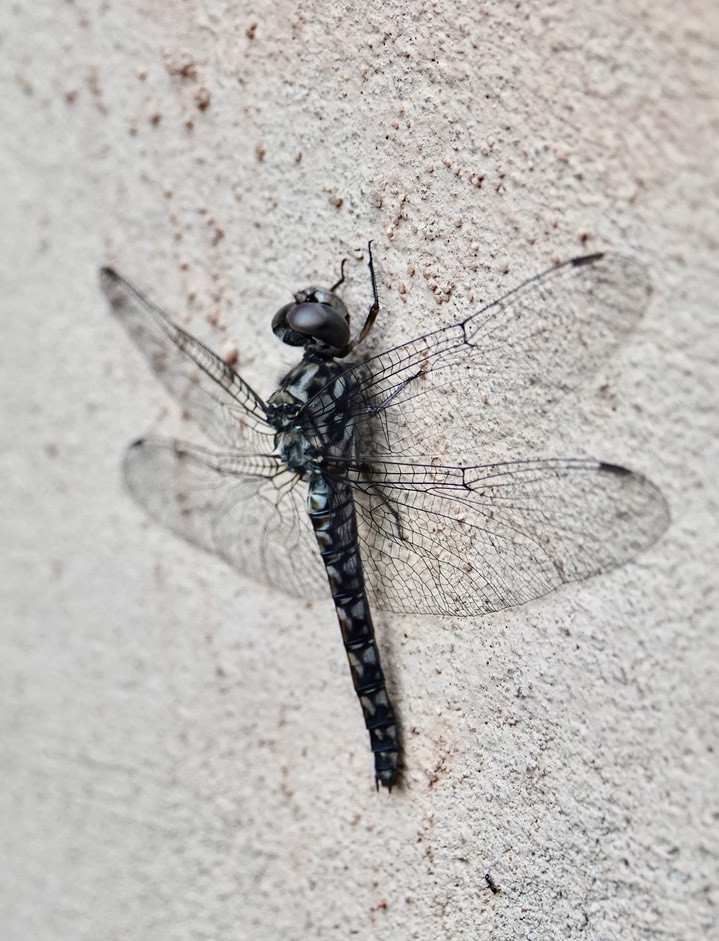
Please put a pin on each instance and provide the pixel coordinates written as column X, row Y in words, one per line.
column 617, row 469
column 587, row 259
column 656, row 508
column 628, row 262
column 111, row 285
column 108, row 276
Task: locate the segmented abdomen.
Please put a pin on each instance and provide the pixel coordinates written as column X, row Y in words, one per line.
column 332, row 512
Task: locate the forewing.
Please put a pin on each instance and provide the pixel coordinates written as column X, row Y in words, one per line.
column 501, row 368
column 248, row 510
column 224, row 407
column 470, row 540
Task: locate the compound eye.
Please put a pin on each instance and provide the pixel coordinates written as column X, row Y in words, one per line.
column 279, row 321
column 319, row 321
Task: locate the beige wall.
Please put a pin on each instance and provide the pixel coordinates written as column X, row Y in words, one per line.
column 181, row 752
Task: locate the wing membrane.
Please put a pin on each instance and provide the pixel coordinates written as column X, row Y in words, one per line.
column 224, row 407
column 471, row 540
column 248, row 510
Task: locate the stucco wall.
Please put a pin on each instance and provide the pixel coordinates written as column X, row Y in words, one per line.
column 182, row 753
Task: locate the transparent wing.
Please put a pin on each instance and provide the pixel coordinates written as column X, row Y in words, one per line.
column 470, row 540
column 248, row 510
column 224, row 407
column 503, row 367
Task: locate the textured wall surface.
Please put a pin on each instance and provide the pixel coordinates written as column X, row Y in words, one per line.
column 182, row 755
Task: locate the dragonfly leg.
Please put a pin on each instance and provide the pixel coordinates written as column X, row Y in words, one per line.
column 386, row 504
column 342, row 276
column 373, row 311
column 373, row 408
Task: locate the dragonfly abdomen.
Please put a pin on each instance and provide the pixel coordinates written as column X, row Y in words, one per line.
column 332, row 513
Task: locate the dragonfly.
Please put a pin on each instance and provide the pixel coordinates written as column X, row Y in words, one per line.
column 339, row 483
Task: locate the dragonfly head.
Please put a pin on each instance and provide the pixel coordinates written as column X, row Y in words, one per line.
column 316, row 319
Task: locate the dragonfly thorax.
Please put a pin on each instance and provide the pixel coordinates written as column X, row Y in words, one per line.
column 306, row 431
column 284, row 413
